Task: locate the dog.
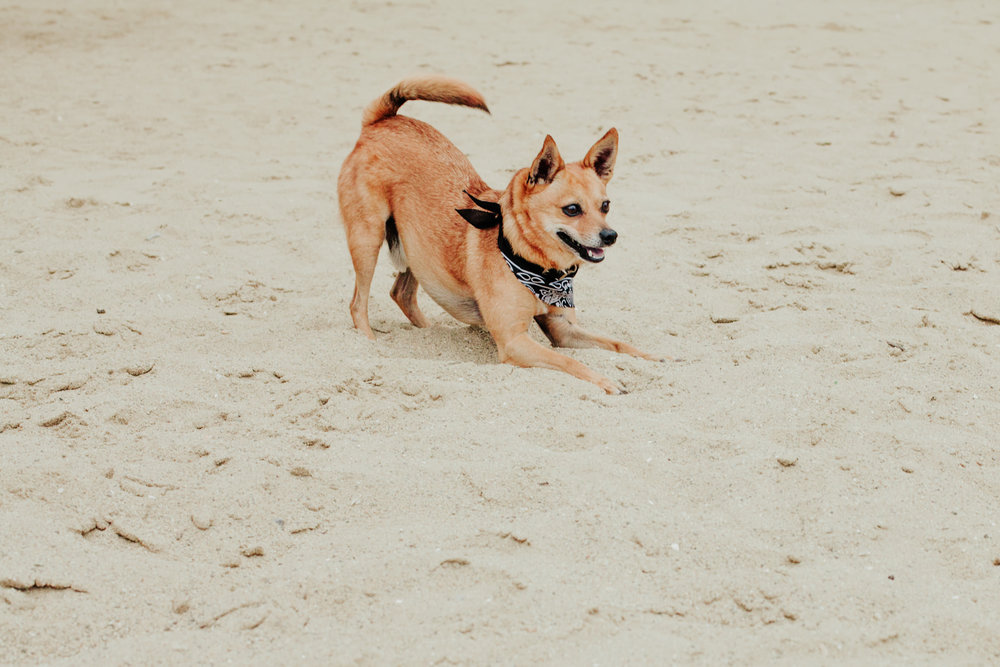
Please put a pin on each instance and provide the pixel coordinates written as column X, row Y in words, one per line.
column 491, row 258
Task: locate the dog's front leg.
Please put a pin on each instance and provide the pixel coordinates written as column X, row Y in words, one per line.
column 521, row 350
column 561, row 328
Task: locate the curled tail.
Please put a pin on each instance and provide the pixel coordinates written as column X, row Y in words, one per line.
column 429, row 88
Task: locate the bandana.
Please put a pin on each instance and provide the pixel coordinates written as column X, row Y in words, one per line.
column 551, row 286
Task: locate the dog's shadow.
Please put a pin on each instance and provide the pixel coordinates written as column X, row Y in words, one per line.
column 442, row 340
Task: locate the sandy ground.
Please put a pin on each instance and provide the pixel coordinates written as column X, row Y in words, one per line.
column 201, row 460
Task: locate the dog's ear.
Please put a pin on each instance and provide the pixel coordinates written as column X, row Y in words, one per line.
column 547, row 164
column 601, row 156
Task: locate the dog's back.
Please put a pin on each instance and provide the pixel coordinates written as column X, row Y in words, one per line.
column 404, row 147
column 395, row 154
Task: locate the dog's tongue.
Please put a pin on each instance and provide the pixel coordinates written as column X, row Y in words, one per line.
column 596, row 253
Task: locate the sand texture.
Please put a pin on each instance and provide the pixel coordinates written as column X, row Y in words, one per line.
column 202, row 461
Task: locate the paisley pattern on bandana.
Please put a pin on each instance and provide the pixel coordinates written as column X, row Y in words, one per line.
column 552, row 287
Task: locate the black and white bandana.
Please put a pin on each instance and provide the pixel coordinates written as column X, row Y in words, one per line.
column 551, row 286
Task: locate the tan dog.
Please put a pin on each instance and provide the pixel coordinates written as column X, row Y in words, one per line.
column 405, row 183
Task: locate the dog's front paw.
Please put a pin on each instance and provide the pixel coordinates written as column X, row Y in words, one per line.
column 611, row 387
column 650, row 357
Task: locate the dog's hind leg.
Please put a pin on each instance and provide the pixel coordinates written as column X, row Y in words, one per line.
column 404, row 290
column 404, row 293
column 364, row 222
column 364, row 257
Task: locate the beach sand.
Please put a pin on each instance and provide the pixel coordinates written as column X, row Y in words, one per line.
column 202, row 461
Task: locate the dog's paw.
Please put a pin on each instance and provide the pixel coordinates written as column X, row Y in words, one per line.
column 611, row 387
column 651, row 357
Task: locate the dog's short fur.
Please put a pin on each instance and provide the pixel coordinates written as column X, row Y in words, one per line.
column 403, row 183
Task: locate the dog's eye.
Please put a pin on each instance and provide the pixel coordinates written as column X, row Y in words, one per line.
column 605, row 206
column 572, row 210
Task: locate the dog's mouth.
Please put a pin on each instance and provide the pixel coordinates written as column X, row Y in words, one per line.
column 590, row 254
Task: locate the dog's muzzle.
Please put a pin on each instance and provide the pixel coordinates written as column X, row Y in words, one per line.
column 592, row 254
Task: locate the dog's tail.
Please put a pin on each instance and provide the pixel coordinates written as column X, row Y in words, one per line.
column 429, row 88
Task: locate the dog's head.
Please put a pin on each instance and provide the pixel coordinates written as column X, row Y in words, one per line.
column 560, row 209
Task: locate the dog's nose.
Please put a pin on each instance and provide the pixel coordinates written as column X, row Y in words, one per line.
column 608, row 236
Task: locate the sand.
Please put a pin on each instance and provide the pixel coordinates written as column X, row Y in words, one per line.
column 202, row 461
